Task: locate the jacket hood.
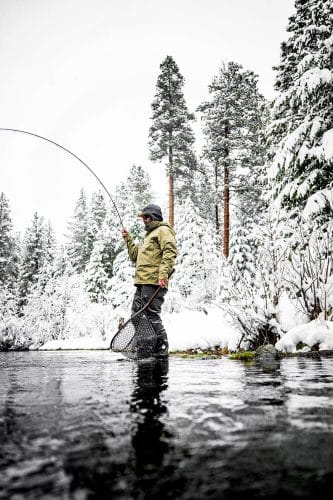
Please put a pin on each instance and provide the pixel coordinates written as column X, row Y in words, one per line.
column 154, row 224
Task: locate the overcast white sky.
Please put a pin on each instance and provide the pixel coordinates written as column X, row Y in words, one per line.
column 83, row 73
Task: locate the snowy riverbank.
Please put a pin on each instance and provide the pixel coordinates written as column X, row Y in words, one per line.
column 197, row 330
column 186, row 330
column 303, row 337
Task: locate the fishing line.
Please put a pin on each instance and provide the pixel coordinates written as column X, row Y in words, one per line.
column 74, row 155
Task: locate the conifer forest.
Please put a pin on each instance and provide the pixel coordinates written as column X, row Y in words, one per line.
column 251, row 205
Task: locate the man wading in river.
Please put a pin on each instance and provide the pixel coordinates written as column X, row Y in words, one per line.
column 154, row 259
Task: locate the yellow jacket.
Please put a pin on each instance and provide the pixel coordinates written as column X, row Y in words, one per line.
column 155, row 257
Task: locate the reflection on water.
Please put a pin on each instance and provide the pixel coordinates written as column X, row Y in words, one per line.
column 151, row 441
column 83, row 425
column 149, row 437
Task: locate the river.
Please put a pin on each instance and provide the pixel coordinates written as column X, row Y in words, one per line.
column 83, row 425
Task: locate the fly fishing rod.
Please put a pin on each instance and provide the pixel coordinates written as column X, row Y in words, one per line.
column 72, row 154
column 126, row 340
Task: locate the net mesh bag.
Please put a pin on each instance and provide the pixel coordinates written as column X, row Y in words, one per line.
column 136, row 339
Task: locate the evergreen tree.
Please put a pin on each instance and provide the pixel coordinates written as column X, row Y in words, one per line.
column 302, row 116
column 139, row 185
column 96, row 276
column 120, row 286
column 171, row 136
column 49, row 244
column 109, row 258
column 198, row 258
column 97, row 216
column 233, row 121
column 249, row 187
column 131, row 196
column 9, row 255
column 33, row 257
column 242, row 248
column 49, row 247
column 62, row 264
column 99, row 269
column 79, row 246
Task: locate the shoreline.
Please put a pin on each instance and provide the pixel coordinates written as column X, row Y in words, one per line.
column 192, row 354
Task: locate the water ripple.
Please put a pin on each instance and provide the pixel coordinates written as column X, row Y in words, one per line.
column 83, row 425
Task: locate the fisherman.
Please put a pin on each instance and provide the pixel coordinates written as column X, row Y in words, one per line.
column 154, row 260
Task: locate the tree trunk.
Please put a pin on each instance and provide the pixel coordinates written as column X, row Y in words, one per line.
column 226, row 213
column 217, row 222
column 226, row 196
column 171, row 201
column 171, row 188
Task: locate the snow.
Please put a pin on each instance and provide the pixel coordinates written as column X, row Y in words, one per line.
column 284, row 154
column 279, row 273
column 311, row 80
column 327, row 144
column 317, row 124
column 316, row 332
column 317, row 202
column 88, row 342
column 186, row 330
column 289, row 314
column 196, row 329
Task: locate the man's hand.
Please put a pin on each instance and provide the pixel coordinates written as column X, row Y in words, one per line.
column 124, row 233
column 163, row 283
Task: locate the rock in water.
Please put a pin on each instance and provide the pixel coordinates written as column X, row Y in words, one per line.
column 267, row 352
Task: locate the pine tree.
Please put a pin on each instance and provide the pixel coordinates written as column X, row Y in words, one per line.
column 96, row 217
column 79, row 246
column 120, row 286
column 105, row 268
column 301, row 132
column 139, row 185
column 131, row 196
column 198, row 258
column 99, row 269
column 233, row 120
column 249, row 188
column 242, row 247
column 9, row 256
column 96, row 276
column 49, row 248
column 33, row 257
column 171, row 137
column 62, row 264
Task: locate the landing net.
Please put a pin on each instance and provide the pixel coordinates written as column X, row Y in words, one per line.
column 136, row 339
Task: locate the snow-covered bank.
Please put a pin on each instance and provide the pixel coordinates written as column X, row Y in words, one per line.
column 195, row 329
column 186, row 330
column 316, row 332
column 88, row 343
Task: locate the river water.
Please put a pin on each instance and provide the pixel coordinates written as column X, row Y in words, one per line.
column 82, row 425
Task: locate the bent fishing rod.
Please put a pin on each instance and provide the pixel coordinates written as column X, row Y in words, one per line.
column 2, row 129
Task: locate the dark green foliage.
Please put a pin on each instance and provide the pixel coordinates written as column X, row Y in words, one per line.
column 243, row 355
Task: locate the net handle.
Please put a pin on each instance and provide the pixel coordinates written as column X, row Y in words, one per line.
column 153, row 296
column 146, row 305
